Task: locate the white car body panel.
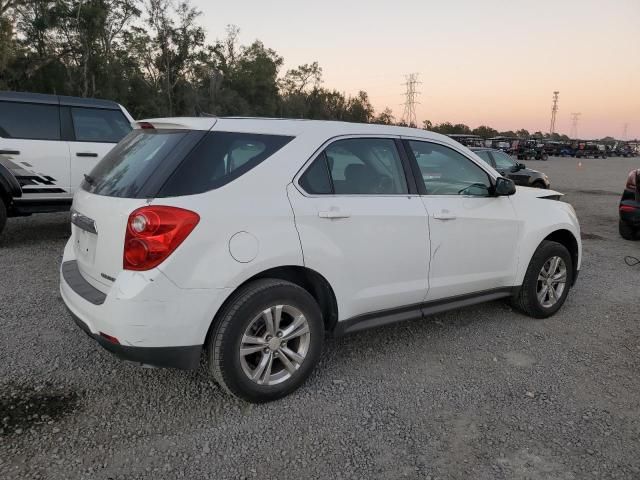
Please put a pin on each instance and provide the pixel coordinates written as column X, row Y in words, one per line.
column 390, row 252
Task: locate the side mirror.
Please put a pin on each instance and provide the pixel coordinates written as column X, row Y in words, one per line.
column 521, row 166
column 504, row 186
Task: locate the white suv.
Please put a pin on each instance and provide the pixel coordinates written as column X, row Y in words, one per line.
column 248, row 239
column 47, row 144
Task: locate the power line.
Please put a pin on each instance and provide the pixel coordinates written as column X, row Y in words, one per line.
column 575, row 118
column 554, row 110
column 409, row 114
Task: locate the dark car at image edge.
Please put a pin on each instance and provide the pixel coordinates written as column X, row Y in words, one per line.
column 512, row 169
column 630, row 207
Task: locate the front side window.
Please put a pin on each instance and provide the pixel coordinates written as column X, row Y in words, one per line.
column 503, row 161
column 366, row 166
column 29, row 121
column 96, row 125
column 447, row 172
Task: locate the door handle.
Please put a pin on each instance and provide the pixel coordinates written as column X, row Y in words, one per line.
column 334, row 214
column 86, row 154
column 444, row 216
column 9, row 152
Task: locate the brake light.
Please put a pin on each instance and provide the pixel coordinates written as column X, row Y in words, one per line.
column 631, row 181
column 146, row 126
column 627, row 208
column 153, row 233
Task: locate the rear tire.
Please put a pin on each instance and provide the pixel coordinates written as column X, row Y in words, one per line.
column 538, row 184
column 3, row 215
column 626, row 231
column 531, row 299
column 253, row 357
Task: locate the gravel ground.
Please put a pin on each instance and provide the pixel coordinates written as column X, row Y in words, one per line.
column 482, row 393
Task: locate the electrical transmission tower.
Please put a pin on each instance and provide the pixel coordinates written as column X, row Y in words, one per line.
column 575, row 117
column 409, row 114
column 554, row 110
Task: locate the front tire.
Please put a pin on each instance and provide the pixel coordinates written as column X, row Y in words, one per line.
column 547, row 281
column 626, row 231
column 3, row 215
column 266, row 341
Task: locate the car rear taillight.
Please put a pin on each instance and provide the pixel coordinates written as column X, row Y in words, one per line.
column 146, row 126
column 632, row 180
column 153, row 233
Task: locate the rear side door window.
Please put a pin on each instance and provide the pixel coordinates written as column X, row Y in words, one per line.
column 29, row 121
column 357, row 166
column 98, row 125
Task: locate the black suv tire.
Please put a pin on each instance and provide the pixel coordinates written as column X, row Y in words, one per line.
column 526, row 299
column 626, row 231
column 238, row 315
column 3, row 214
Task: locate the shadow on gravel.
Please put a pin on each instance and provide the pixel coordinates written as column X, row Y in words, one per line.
column 598, row 192
column 24, row 407
column 23, row 232
column 590, row 236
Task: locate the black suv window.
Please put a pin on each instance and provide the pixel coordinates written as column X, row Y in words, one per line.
column 447, row 172
column 366, row 166
column 96, row 125
column 220, row 158
column 503, row 161
column 30, row 121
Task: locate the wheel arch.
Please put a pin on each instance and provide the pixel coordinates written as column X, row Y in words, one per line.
column 310, row 280
column 570, row 242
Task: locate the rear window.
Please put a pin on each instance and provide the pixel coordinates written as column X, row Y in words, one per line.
column 128, row 166
column 220, row 158
column 178, row 162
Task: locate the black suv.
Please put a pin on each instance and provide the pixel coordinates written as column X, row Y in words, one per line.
column 630, row 207
column 508, row 167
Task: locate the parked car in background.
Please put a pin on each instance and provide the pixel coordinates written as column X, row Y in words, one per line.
column 47, row 144
column 589, row 149
column 468, row 140
column 251, row 238
column 629, row 208
column 528, row 150
column 508, row 167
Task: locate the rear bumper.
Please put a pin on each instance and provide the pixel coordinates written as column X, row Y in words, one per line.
column 185, row 358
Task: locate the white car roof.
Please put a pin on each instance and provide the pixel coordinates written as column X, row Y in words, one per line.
column 293, row 127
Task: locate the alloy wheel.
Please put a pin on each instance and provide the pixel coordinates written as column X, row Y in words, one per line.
column 552, row 281
column 275, row 345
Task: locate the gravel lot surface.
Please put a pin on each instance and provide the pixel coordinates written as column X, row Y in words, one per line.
column 479, row 393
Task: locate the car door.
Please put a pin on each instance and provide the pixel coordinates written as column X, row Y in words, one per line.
column 474, row 235
column 363, row 226
column 32, row 150
column 95, row 132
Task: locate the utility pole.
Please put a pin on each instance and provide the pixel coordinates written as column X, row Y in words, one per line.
column 409, row 114
column 554, row 110
column 575, row 117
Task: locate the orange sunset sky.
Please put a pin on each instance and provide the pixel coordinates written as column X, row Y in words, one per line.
column 493, row 62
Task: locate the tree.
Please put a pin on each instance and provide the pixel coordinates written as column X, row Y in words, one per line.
column 427, row 125
column 385, row 117
column 485, row 131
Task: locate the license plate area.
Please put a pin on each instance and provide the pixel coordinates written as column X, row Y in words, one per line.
column 85, row 246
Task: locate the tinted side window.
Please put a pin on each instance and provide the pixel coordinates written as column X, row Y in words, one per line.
column 484, row 155
column 96, row 125
column 316, row 179
column 447, row 172
column 503, row 161
column 29, row 120
column 366, row 166
column 220, row 158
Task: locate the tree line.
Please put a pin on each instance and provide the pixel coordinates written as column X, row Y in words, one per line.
column 153, row 57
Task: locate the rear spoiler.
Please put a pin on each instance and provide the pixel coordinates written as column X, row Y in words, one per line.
column 199, row 123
